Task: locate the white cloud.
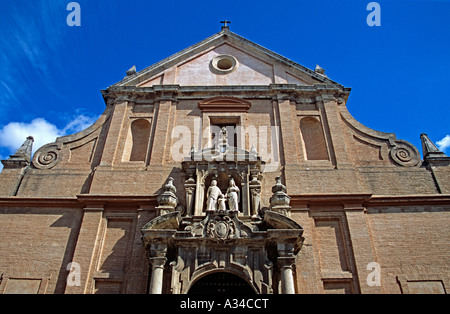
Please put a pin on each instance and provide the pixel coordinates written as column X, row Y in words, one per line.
column 78, row 124
column 14, row 134
column 444, row 143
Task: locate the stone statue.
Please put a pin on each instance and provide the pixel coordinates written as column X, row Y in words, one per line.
column 222, row 206
column 213, row 195
column 233, row 196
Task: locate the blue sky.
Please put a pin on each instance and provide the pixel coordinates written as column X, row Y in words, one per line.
column 52, row 74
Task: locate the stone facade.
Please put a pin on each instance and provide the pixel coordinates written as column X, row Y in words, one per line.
column 308, row 201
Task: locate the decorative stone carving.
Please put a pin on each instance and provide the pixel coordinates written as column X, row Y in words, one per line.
column 404, row 154
column 261, row 252
column 255, row 192
column 221, row 203
column 319, row 70
column 233, row 196
column 212, row 196
column 279, row 201
column 220, row 225
column 47, row 156
column 167, row 200
column 189, row 186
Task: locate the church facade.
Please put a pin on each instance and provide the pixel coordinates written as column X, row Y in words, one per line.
column 226, row 168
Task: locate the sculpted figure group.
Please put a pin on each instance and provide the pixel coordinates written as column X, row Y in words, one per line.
column 216, row 200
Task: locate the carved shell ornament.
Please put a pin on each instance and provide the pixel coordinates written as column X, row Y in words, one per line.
column 405, row 154
column 47, row 156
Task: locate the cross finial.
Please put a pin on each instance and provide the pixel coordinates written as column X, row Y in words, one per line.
column 225, row 22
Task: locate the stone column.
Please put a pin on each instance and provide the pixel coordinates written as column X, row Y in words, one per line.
column 156, row 242
column 156, row 282
column 286, row 257
column 287, row 275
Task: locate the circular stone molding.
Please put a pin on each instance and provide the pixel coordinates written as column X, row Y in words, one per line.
column 47, row 156
column 404, row 154
column 224, row 64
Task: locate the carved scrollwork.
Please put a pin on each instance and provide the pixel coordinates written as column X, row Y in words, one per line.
column 47, row 156
column 405, row 154
column 222, row 227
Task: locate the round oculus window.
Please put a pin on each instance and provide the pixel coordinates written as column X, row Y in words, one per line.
column 224, row 63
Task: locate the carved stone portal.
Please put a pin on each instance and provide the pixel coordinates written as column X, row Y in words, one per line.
column 223, row 229
column 260, row 252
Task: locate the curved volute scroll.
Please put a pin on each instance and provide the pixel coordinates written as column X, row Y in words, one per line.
column 49, row 155
column 405, row 154
column 401, row 152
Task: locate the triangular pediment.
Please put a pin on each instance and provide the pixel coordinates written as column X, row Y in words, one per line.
column 225, row 59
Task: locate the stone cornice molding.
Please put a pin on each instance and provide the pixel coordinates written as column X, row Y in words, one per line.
column 177, row 92
column 364, row 201
column 82, row 201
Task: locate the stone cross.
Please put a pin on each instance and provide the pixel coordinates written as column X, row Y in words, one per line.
column 225, row 24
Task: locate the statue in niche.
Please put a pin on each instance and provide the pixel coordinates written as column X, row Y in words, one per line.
column 213, row 195
column 233, row 196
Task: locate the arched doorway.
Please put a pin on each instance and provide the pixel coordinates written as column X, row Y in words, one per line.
column 221, row 283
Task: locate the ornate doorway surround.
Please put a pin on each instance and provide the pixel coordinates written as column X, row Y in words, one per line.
column 223, row 231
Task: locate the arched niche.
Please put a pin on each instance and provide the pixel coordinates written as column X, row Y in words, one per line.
column 137, row 142
column 223, row 180
column 313, row 139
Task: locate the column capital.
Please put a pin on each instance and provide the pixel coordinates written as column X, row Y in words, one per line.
column 158, row 262
column 286, row 261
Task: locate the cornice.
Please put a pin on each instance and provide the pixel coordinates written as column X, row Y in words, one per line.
column 79, row 201
column 361, row 201
column 175, row 92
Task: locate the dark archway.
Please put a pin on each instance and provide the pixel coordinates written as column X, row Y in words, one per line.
column 221, row 283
